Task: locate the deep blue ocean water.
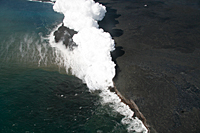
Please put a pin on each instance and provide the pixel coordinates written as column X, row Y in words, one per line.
column 35, row 94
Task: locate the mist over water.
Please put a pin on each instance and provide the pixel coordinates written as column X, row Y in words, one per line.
column 23, row 26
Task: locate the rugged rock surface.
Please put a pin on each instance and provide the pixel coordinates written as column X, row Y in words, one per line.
column 160, row 67
column 65, row 35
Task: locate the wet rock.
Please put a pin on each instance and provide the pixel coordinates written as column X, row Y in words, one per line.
column 65, row 35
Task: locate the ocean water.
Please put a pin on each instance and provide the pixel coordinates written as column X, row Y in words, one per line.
column 36, row 93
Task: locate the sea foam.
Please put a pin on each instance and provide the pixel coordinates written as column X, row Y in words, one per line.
column 91, row 60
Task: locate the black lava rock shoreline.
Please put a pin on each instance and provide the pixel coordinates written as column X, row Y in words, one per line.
column 160, row 67
column 158, row 60
column 64, row 35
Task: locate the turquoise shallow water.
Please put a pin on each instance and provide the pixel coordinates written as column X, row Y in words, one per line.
column 34, row 95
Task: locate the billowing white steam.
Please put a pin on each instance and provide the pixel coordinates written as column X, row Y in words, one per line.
column 94, row 48
column 80, row 14
column 91, row 59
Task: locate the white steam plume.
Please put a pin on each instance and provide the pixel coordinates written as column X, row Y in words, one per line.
column 91, row 59
column 80, row 14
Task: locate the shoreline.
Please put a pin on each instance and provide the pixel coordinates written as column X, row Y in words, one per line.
column 158, row 72
column 59, row 35
column 132, row 106
column 159, row 69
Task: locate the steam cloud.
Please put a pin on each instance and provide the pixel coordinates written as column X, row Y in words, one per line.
column 91, row 59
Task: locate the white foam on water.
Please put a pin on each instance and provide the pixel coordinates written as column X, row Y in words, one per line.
column 50, row 1
column 28, row 49
column 133, row 124
column 90, row 60
column 33, row 49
